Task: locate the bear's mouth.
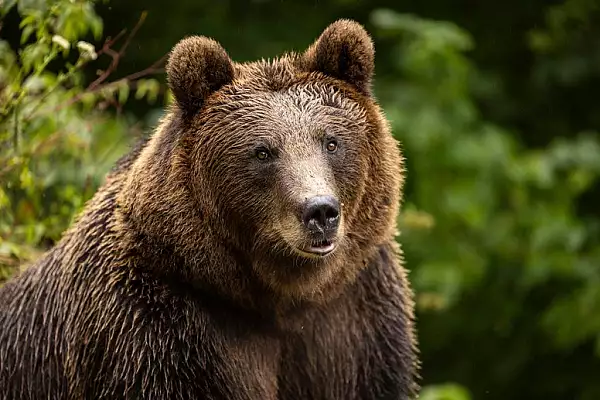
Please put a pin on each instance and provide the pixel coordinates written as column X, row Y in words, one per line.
column 320, row 247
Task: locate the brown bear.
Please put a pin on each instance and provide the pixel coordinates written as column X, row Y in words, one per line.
column 245, row 251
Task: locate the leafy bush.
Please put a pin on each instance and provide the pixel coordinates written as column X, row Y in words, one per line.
column 57, row 136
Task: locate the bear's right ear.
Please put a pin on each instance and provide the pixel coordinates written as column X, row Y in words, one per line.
column 197, row 67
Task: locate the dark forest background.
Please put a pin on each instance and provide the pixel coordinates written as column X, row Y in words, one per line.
column 496, row 105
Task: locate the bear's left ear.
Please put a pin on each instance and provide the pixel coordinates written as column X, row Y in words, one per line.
column 197, row 67
column 344, row 51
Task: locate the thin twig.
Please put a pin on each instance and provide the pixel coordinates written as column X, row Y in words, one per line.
column 16, row 127
column 154, row 68
column 109, row 42
column 116, row 56
column 151, row 70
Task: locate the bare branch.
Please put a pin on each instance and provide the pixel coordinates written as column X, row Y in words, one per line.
column 151, row 70
column 116, row 56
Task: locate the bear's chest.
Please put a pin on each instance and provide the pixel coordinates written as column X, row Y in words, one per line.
column 322, row 359
column 318, row 354
column 357, row 347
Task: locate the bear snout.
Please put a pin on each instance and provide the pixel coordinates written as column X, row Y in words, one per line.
column 321, row 215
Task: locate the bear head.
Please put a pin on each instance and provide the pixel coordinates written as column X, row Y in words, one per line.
column 284, row 170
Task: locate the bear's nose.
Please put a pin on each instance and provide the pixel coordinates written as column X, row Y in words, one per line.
column 321, row 213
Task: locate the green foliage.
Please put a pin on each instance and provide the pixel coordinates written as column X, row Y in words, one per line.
column 563, row 21
column 481, row 205
column 447, row 391
column 57, row 140
column 495, row 198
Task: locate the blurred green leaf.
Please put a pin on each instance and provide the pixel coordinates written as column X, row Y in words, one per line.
column 29, row 6
column 6, row 5
column 445, row 392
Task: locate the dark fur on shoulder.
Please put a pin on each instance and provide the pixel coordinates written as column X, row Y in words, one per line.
column 187, row 275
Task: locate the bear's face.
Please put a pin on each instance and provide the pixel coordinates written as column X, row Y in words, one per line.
column 289, row 167
column 293, row 155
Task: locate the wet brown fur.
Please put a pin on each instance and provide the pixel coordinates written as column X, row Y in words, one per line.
column 181, row 280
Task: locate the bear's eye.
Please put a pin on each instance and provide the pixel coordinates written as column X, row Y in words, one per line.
column 331, row 146
column 262, row 154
